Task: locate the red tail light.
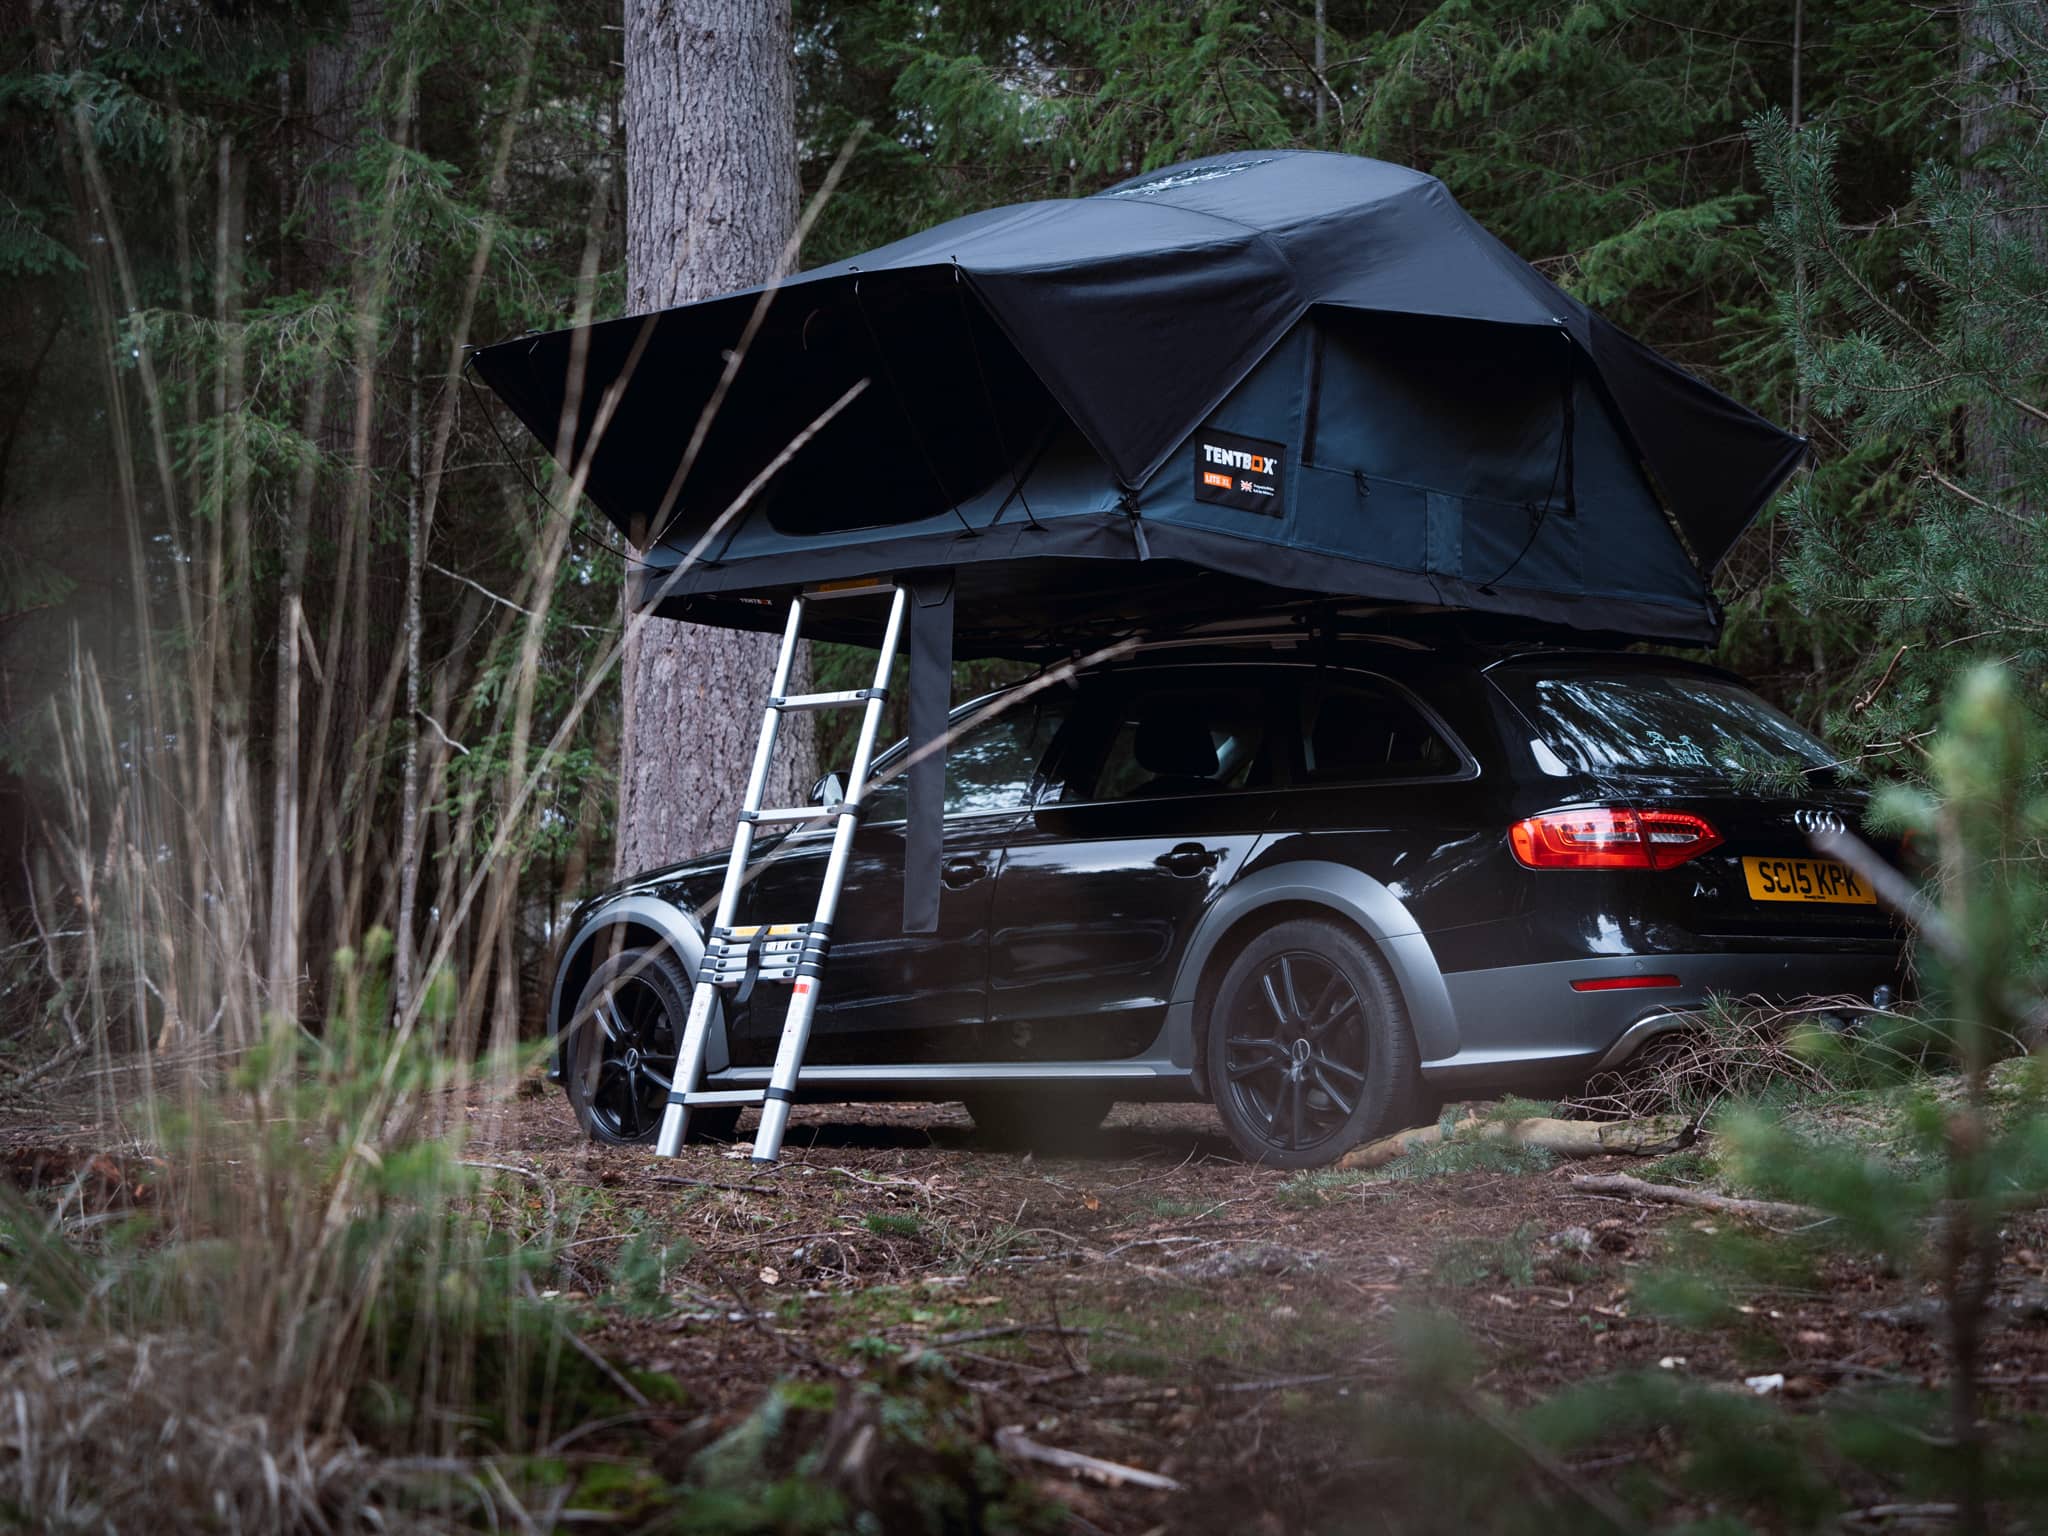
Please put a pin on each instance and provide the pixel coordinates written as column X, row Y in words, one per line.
column 1607, row 837
column 1622, row 983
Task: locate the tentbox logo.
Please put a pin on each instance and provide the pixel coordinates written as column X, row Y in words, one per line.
column 1239, row 472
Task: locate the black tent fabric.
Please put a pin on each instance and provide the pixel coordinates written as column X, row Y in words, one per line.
column 1242, row 383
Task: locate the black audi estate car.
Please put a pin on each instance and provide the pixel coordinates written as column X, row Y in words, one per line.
column 1317, row 883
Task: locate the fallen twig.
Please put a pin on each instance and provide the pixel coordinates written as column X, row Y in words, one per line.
column 62, row 1059
column 1702, row 1199
column 1012, row 1441
column 1003, row 1331
column 1649, row 1136
column 1283, row 1383
column 1941, row 1512
column 763, row 1188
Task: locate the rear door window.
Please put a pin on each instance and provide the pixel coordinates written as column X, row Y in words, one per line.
column 1680, row 724
column 1168, row 739
column 1361, row 730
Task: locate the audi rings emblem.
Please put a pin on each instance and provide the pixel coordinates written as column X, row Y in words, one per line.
column 1818, row 821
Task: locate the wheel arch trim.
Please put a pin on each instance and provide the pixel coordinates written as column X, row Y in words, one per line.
column 675, row 926
column 1354, row 897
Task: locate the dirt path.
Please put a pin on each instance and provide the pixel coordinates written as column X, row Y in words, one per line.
column 1143, row 1297
column 1147, row 1299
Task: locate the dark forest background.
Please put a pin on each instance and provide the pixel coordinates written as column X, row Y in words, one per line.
column 242, row 247
column 310, row 726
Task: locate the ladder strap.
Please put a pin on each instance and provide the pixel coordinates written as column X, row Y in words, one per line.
column 753, row 974
column 930, row 613
column 772, row 1092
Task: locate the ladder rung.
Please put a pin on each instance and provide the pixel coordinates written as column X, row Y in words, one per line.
column 726, row 1096
column 775, row 952
column 792, row 813
column 827, row 700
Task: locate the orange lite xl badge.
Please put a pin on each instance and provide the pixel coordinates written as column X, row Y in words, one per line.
column 1240, row 472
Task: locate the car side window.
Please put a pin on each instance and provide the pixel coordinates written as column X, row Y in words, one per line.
column 989, row 766
column 1357, row 731
column 1184, row 741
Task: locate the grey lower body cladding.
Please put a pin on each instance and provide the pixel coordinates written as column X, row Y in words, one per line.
column 1525, row 1022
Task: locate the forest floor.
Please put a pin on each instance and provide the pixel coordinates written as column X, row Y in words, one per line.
column 1145, row 1298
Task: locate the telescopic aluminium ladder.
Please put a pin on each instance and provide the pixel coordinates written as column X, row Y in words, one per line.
column 737, row 957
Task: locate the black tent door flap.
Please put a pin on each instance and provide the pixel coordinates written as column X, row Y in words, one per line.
column 931, row 698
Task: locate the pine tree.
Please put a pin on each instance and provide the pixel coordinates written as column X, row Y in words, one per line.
column 196, row 242
column 1922, row 342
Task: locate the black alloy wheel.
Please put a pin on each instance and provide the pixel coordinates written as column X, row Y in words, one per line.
column 623, row 1051
column 1309, row 1050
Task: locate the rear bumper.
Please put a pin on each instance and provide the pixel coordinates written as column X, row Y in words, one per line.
column 1524, row 1024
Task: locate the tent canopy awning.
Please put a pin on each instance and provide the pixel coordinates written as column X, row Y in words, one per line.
column 1250, row 381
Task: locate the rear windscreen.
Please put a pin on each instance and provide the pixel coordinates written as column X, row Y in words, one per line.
column 1595, row 720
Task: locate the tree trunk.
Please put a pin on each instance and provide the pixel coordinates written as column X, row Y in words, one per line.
column 711, row 200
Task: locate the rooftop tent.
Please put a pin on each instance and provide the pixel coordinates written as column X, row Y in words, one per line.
column 1241, row 383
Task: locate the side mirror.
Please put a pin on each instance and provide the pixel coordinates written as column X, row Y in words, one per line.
column 828, row 790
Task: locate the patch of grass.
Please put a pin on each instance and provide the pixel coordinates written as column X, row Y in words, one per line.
column 646, row 1260
column 1691, row 1166
column 903, row 1452
column 1471, row 1261
column 893, row 1223
column 1707, row 1275
column 863, row 1321
column 1170, row 1208
column 975, row 1244
column 1320, row 1186
column 1511, row 1109
column 322, row 1270
column 1467, row 1156
column 1178, row 1333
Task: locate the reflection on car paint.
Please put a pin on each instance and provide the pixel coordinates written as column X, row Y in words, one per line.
column 1074, row 943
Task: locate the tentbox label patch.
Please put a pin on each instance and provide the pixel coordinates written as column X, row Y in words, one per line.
column 1239, row 472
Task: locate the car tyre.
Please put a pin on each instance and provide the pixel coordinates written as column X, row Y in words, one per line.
column 1038, row 1118
column 1309, row 1051
column 622, row 1051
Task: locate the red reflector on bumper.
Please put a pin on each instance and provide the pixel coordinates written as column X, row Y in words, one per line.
column 1622, row 983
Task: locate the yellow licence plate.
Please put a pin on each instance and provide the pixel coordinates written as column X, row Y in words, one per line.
column 1804, row 880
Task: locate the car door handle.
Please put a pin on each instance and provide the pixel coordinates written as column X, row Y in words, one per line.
column 1189, row 859
column 959, row 872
